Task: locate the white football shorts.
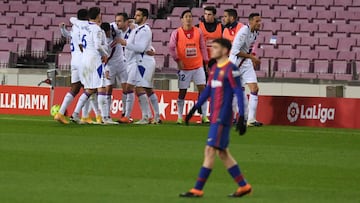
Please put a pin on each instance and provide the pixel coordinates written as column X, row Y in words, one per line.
column 92, row 71
column 186, row 76
column 76, row 63
column 146, row 71
column 247, row 72
column 117, row 72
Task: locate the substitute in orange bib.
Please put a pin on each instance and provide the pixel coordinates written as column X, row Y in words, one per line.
column 188, row 49
column 232, row 26
column 211, row 28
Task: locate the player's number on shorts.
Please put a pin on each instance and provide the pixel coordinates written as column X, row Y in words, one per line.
column 83, row 41
column 182, row 77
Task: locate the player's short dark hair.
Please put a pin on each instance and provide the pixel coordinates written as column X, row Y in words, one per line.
column 223, row 42
column 82, row 14
column 105, row 26
column 185, row 12
column 231, row 12
column 93, row 12
column 210, row 8
column 252, row 15
column 144, row 12
column 124, row 15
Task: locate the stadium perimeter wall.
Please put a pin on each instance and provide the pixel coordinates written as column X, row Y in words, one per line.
column 32, row 77
column 273, row 110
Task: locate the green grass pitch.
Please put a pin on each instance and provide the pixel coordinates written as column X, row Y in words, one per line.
column 43, row 161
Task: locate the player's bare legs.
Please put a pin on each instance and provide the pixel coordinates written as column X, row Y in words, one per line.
column 69, row 97
column 180, row 105
column 144, row 105
column 204, row 106
column 253, row 102
column 154, row 103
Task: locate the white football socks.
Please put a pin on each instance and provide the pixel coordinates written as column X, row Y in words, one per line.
column 86, row 109
column 253, row 102
column 144, row 105
column 95, row 105
column 102, row 101
column 83, row 98
column 123, row 99
column 130, row 98
column 155, row 105
column 69, row 97
column 108, row 104
column 180, row 105
column 204, row 108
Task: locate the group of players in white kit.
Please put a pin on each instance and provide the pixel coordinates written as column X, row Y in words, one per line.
column 106, row 54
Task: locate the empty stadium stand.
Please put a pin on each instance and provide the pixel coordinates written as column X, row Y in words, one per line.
column 310, row 39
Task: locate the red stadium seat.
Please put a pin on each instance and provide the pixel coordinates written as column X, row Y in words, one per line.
column 161, row 23
column 341, row 70
column 7, row 20
column 291, row 53
column 309, row 27
column 289, row 3
column 346, row 55
column 293, row 40
column 38, row 48
column 331, row 42
column 3, row 8
column 64, row 61
column 330, row 28
column 18, row 7
column 23, row 46
column 43, row 21
column 309, row 54
column 4, row 59
column 36, row 7
column 160, row 61
column 283, row 65
column 22, row 20
column 321, row 67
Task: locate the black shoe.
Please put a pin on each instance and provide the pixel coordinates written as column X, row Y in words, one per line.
column 189, row 195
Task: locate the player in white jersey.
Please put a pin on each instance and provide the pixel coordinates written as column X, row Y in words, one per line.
column 95, row 54
column 138, row 52
column 241, row 55
column 123, row 30
column 112, row 72
column 76, row 47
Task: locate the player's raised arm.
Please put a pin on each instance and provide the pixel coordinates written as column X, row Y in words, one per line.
column 64, row 32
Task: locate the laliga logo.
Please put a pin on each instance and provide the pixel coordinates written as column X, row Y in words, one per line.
column 293, row 112
column 309, row 113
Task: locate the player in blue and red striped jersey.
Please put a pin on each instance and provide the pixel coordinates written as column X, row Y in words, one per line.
column 223, row 83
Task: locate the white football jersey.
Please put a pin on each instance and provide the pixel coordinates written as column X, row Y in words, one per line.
column 138, row 42
column 93, row 39
column 243, row 42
